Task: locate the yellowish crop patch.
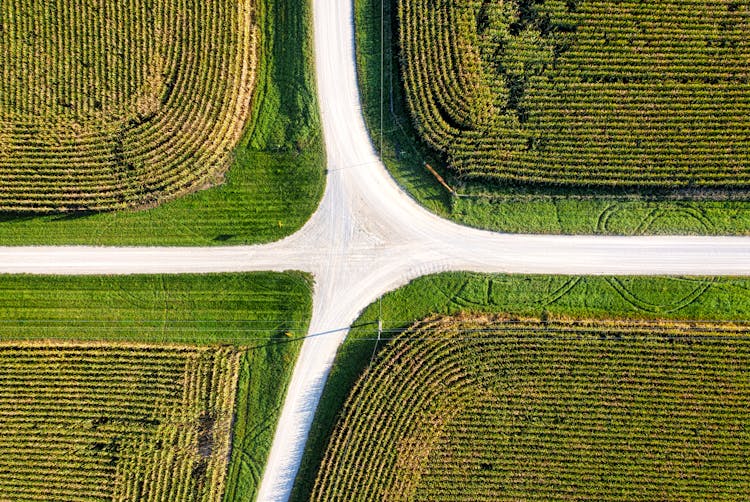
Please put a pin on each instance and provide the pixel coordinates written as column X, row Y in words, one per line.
column 597, row 93
column 109, row 105
column 492, row 407
column 115, row 422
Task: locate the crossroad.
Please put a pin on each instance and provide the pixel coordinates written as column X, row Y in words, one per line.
column 368, row 237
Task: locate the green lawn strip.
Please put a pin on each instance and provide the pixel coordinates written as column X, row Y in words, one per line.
column 265, row 313
column 273, row 186
column 186, row 308
column 540, row 296
column 510, row 208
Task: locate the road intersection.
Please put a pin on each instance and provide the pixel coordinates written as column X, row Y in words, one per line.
column 367, row 238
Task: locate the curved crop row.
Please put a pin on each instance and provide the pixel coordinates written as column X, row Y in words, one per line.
column 487, row 409
column 96, row 422
column 107, row 105
column 601, row 92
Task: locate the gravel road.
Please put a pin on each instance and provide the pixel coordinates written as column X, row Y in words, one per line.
column 367, row 238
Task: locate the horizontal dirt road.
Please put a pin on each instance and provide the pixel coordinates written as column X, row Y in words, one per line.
column 368, row 237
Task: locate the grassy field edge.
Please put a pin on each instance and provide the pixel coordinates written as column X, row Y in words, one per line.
column 273, row 186
column 265, row 372
column 506, row 208
column 538, row 296
column 263, row 314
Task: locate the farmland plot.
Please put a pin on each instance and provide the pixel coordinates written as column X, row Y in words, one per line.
column 144, row 374
column 600, row 92
column 488, row 408
column 108, row 105
column 115, row 422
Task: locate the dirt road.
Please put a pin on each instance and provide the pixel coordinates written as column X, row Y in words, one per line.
column 368, row 237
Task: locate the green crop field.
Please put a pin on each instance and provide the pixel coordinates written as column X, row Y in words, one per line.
column 115, row 387
column 486, row 408
column 582, row 92
column 115, row 422
column 557, row 208
column 110, row 105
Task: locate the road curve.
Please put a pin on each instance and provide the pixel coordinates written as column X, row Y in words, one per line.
column 369, row 237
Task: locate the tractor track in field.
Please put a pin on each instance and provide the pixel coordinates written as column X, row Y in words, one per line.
column 367, row 238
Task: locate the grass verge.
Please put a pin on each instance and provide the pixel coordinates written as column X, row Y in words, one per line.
column 513, row 208
column 538, row 296
column 272, row 187
column 264, row 314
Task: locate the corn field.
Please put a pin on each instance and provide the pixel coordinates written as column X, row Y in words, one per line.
column 582, row 92
column 488, row 408
column 109, row 105
column 115, row 422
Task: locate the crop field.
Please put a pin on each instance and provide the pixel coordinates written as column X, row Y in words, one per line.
column 109, row 105
column 127, row 422
column 275, row 180
column 481, row 407
column 600, row 93
column 679, row 300
column 109, row 381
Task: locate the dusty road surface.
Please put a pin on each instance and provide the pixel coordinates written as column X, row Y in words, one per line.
column 367, row 238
